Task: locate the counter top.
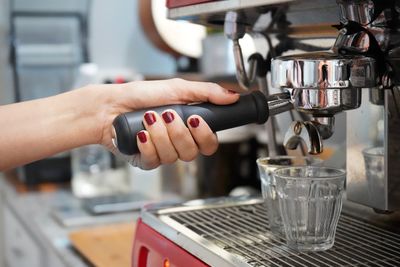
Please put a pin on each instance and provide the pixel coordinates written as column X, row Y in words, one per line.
column 51, row 216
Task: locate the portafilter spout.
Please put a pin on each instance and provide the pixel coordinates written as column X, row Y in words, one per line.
column 311, row 133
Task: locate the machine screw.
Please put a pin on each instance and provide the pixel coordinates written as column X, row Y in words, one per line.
column 297, row 128
column 387, row 81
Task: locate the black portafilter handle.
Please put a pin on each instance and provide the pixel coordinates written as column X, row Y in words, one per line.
column 250, row 108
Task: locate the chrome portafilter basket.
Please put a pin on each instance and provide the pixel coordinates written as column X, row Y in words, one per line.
column 321, row 84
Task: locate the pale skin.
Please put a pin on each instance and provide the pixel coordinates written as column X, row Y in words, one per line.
column 40, row 128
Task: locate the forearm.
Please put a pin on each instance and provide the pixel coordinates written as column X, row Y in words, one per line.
column 37, row 129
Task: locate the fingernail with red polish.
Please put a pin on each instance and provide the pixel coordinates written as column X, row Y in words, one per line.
column 168, row 116
column 231, row 92
column 194, row 122
column 142, row 137
column 150, row 118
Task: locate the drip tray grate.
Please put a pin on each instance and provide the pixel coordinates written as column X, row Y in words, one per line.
column 243, row 231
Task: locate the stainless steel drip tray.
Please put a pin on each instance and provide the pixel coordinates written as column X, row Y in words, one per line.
column 235, row 232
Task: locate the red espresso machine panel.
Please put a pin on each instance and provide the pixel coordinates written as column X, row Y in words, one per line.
column 151, row 249
column 181, row 3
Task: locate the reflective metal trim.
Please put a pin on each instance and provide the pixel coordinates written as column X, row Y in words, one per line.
column 229, row 234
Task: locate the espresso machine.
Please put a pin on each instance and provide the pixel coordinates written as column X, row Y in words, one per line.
column 358, row 75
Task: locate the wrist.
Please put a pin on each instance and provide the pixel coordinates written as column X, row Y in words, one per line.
column 100, row 109
column 87, row 106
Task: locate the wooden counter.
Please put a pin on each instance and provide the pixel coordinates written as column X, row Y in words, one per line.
column 105, row 246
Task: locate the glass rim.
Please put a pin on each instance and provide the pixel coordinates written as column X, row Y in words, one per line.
column 368, row 151
column 258, row 161
column 341, row 174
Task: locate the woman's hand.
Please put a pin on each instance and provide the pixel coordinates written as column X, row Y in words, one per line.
column 36, row 129
column 166, row 137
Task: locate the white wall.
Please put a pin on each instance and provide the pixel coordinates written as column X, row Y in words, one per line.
column 117, row 39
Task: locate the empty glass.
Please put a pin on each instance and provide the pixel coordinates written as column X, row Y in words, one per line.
column 375, row 170
column 310, row 202
column 266, row 166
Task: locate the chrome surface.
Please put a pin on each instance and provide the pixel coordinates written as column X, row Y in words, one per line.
column 279, row 103
column 380, row 106
column 360, row 42
column 326, row 101
column 305, row 132
column 392, row 147
column 299, row 12
column 206, row 12
column 234, row 29
column 377, row 96
column 271, row 125
column 244, row 79
column 374, row 19
column 323, row 70
column 325, row 126
column 363, row 12
column 323, row 83
column 236, row 233
column 381, row 129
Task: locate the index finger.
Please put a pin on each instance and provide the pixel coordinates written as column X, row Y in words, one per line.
column 175, row 91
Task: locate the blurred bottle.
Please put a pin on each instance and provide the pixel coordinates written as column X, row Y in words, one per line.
column 89, row 168
column 96, row 172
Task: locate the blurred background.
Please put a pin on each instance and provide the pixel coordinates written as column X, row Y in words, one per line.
column 52, row 46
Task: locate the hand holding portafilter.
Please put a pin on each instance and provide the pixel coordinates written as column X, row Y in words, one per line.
column 250, row 108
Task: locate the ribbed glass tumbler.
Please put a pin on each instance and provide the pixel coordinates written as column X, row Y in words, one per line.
column 310, row 202
column 266, row 167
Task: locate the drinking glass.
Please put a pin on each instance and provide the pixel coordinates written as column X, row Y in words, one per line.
column 310, row 202
column 375, row 170
column 266, row 166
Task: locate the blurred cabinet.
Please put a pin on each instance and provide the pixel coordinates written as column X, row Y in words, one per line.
column 49, row 43
column 21, row 247
column 29, row 236
column 48, row 53
column 21, row 250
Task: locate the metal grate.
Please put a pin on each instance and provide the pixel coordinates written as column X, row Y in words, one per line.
column 243, row 231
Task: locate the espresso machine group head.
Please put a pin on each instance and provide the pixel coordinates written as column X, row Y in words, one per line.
column 321, row 84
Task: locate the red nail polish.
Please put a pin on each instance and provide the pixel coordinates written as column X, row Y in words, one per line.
column 194, row 122
column 168, row 116
column 150, row 118
column 142, row 137
column 232, row 92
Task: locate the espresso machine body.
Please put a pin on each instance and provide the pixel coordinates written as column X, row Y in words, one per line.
column 328, row 58
column 356, row 73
